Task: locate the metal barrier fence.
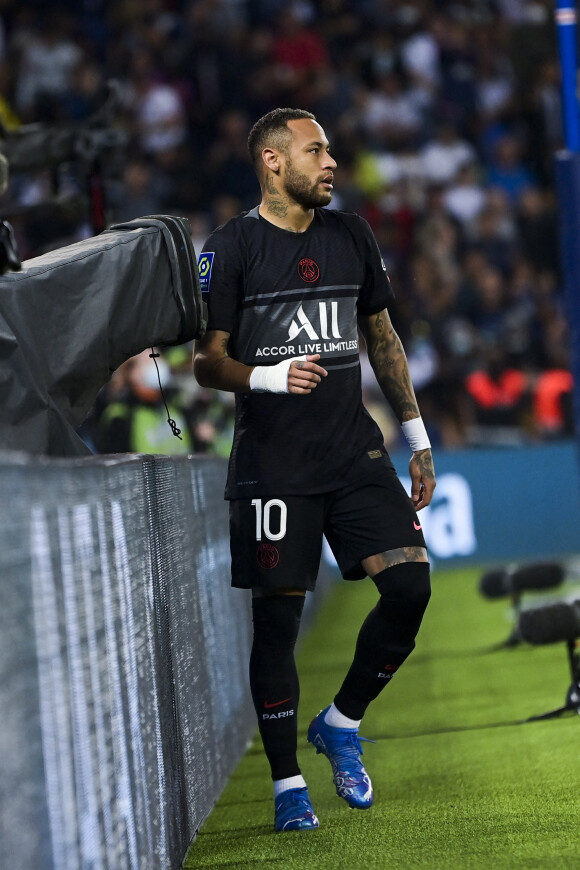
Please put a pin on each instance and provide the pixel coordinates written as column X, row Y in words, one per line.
column 124, row 704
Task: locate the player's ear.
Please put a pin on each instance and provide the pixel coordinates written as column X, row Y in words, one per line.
column 271, row 158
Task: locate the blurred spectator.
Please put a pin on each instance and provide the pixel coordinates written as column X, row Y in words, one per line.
column 156, row 108
column 495, row 83
column 223, row 208
column 211, row 420
column 438, row 235
column 501, row 393
column 507, row 169
column 390, row 113
column 139, row 192
column 487, row 307
column 85, row 92
column 46, row 56
column 458, row 93
column 493, row 233
column 537, row 228
column 228, row 170
column 553, row 411
column 298, row 54
column 341, row 26
column 378, row 56
column 465, row 197
column 419, row 50
column 444, row 155
column 544, row 118
column 135, row 421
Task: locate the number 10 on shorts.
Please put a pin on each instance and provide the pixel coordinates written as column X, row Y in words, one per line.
column 264, row 519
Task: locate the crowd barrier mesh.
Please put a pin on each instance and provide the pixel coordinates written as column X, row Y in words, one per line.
column 123, row 668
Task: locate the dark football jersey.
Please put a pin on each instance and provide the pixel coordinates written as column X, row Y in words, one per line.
column 281, row 294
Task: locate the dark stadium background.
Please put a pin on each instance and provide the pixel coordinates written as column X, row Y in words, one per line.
column 444, row 118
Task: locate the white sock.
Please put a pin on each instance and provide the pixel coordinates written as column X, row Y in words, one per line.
column 336, row 719
column 281, row 785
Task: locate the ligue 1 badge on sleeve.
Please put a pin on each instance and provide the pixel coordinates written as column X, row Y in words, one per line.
column 204, row 264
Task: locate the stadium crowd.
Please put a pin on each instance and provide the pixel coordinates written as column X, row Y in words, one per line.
column 444, row 118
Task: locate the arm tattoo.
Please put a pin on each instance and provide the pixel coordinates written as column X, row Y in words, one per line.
column 220, row 362
column 390, row 366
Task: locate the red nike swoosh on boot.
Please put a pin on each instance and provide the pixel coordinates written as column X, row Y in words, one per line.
column 267, row 704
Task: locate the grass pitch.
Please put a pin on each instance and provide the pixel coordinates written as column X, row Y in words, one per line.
column 460, row 782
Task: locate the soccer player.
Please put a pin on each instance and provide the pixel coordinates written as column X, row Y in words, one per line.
column 289, row 284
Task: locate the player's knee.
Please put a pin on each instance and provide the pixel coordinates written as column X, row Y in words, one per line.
column 406, row 585
column 276, row 620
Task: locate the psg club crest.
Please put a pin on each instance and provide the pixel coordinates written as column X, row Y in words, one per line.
column 308, row 270
column 268, row 556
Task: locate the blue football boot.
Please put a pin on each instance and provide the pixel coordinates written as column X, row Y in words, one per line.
column 342, row 748
column 294, row 811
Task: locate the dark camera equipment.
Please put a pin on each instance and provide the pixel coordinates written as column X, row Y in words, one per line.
column 89, row 146
column 69, row 318
column 34, row 146
column 9, row 256
column 513, row 582
column 553, row 623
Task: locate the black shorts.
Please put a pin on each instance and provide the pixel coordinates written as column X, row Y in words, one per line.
column 276, row 542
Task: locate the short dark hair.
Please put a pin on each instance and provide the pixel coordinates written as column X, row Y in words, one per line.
column 272, row 129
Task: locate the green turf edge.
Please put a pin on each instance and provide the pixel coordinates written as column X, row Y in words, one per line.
column 459, row 782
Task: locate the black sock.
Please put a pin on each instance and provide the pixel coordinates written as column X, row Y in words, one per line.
column 387, row 635
column 274, row 679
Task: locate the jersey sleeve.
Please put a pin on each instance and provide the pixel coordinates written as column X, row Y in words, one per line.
column 376, row 292
column 220, row 277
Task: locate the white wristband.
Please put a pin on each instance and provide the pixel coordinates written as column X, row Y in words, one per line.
column 272, row 379
column 416, row 434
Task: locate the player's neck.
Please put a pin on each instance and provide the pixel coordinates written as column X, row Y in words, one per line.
column 284, row 214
